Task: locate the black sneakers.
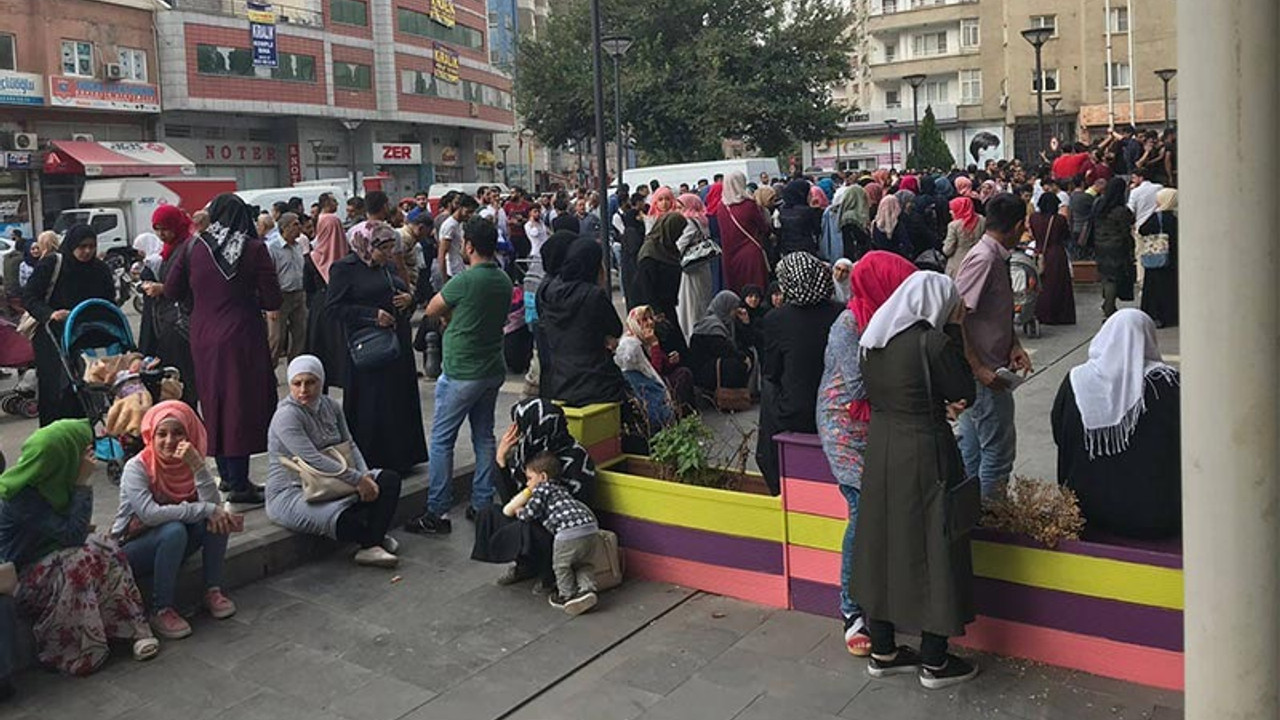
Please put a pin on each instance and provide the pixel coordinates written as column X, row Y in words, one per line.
column 428, row 524
column 904, row 661
column 953, row 672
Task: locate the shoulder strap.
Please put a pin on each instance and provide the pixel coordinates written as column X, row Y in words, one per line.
column 928, row 388
column 53, row 282
column 750, row 237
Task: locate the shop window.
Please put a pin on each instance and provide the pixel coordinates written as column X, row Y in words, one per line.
column 349, row 12
column 417, row 23
column 77, row 58
column 8, row 52
column 352, row 76
column 1050, row 81
column 133, row 64
column 234, row 61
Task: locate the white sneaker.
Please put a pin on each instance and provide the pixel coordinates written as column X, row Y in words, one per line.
column 390, row 544
column 376, row 557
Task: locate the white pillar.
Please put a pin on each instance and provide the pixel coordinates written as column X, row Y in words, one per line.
column 1229, row 85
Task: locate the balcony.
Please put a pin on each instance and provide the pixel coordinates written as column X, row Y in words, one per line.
column 874, row 118
column 308, row 13
column 947, row 64
column 890, row 22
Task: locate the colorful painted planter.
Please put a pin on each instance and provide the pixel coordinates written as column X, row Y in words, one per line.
column 598, row 427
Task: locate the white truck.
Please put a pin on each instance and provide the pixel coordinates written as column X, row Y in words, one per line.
column 120, row 209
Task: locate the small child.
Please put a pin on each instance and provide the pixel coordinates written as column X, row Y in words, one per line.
column 547, row 500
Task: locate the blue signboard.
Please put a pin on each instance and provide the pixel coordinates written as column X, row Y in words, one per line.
column 262, row 35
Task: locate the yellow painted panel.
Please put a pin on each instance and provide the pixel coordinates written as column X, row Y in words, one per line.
column 700, row 508
column 593, row 424
column 1080, row 574
column 813, row 531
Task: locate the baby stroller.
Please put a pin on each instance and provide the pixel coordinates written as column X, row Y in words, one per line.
column 17, row 353
column 1025, row 277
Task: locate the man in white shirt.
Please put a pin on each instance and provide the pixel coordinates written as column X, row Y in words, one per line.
column 449, row 260
column 536, row 231
column 1142, row 197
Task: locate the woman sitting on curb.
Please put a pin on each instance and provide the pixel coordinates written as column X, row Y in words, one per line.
column 169, row 509
column 306, row 424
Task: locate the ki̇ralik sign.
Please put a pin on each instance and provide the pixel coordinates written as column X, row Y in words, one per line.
column 262, row 35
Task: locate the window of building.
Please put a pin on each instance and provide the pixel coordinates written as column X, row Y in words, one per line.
column 421, row 24
column 1050, row 80
column 1118, row 20
column 234, row 61
column 970, row 87
column 1045, row 21
column 133, row 64
column 890, row 52
column 1117, row 75
column 349, row 12
column 934, row 43
column 969, row 37
column 352, row 76
column 892, row 99
column 936, row 92
column 77, row 58
column 416, row 82
column 889, row 6
column 8, row 52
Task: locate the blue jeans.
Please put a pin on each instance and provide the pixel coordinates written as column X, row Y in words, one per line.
column 848, row 608
column 989, row 438
column 159, row 553
column 456, row 400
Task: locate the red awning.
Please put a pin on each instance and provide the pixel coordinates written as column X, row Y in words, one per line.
column 116, row 159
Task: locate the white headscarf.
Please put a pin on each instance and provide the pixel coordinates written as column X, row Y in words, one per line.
column 631, row 355
column 926, row 296
column 1110, row 388
column 149, row 245
column 735, row 188
column 306, row 364
column 843, row 290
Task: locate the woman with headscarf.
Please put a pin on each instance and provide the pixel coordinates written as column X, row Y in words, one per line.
column 1116, row 422
column 381, row 403
column 647, row 386
column 875, row 193
column 228, row 279
column 1160, row 285
column 889, row 232
column 77, row 590
column 853, row 215
column 908, row 571
column 661, row 202
column 632, row 214
column 918, row 227
column 818, row 198
column 795, row 338
column 843, row 414
column 841, row 290
column 715, row 350
column 1050, row 230
column 537, row 426
column 310, row 426
column 658, row 273
column 963, row 232
column 800, row 223
column 61, row 282
column 910, row 183
column 1113, row 245
column 744, row 234
column 326, row 335
column 665, row 354
column 986, row 191
column 166, row 324
column 696, row 284
column 579, row 323
column 169, row 509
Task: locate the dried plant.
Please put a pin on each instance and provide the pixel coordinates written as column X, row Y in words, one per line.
column 1041, row 510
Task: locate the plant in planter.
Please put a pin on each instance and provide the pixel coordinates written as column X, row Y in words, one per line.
column 1041, row 510
column 688, row 452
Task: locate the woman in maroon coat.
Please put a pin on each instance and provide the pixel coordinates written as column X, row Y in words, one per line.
column 1057, row 303
column 228, row 279
column 743, row 232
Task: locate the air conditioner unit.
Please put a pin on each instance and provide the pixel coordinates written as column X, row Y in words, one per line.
column 82, row 137
column 25, row 141
column 113, row 71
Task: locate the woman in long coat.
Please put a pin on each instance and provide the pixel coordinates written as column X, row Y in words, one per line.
column 169, row 321
column 228, row 280
column 907, row 572
column 1160, row 285
column 696, row 283
column 1113, row 245
column 743, row 234
column 61, row 281
column 326, row 335
column 381, row 404
column 1057, row 304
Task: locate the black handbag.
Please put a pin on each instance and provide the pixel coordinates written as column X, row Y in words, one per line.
column 962, row 501
column 373, row 347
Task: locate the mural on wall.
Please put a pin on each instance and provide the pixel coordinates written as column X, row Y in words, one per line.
column 982, row 144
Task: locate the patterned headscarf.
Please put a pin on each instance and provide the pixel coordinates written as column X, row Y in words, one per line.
column 231, row 224
column 544, row 428
column 805, row 280
column 372, row 234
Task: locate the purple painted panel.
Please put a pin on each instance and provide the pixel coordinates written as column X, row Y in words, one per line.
column 800, row 456
column 697, row 545
column 1112, row 619
column 813, row 597
column 1141, row 553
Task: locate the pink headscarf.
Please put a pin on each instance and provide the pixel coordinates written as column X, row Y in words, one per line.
column 818, row 198
column 691, row 207
column 962, row 210
column 875, row 191
column 887, row 215
column 172, row 480
column 987, row 190
column 909, row 182
column 330, row 244
column 963, row 185
column 663, row 192
column 714, row 194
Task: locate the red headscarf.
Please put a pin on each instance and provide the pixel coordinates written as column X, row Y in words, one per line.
column 962, row 210
column 173, row 219
column 909, row 182
column 875, row 193
column 874, row 278
column 172, row 480
column 714, row 194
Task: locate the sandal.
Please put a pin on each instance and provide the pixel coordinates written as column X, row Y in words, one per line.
column 145, row 649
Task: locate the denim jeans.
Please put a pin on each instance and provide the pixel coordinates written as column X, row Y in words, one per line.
column 989, row 438
column 848, row 608
column 159, row 553
column 456, row 400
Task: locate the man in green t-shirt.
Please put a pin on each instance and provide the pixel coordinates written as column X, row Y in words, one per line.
column 474, row 305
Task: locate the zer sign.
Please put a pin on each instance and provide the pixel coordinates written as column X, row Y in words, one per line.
column 397, row 153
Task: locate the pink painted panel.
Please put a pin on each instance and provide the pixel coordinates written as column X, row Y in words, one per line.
column 754, row 587
column 821, row 566
column 814, row 498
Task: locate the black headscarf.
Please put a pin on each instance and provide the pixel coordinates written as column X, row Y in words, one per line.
column 1111, row 198
column 1048, row 203
column 231, row 223
column 80, row 281
column 796, row 194
column 554, row 250
column 582, row 261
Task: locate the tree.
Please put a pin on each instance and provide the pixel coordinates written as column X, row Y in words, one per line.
column 930, row 150
column 699, row 71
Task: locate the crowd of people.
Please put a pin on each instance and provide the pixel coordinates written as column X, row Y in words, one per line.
column 873, row 309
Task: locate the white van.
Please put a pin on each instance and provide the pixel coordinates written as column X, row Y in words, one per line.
column 310, row 193
column 673, row 175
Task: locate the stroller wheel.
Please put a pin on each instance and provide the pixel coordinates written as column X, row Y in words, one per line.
column 114, row 470
column 29, row 409
column 11, row 404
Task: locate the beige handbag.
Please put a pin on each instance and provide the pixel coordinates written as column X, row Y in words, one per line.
column 27, row 324
column 606, row 561
column 320, row 486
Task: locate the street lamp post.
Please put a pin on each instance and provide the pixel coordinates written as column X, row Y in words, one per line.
column 1038, row 36
column 1165, row 75
column 916, row 81
column 597, row 73
column 1053, row 108
column 504, row 147
column 617, row 46
column 889, row 124
column 316, row 144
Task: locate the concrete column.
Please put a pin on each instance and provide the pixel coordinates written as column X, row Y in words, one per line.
column 1229, row 83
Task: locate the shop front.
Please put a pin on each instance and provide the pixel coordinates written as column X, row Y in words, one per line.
column 254, row 165
column 68, row 163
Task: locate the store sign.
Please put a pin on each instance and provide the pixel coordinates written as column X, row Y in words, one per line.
column 262, row 35
column 295, row 164
column 91, row 94
column 18, row 88
column 228, row 152
column 449, row 156
column 17, row 160
column 444, row 12
column 446, row 64
column 397, row 154
column 485, row 158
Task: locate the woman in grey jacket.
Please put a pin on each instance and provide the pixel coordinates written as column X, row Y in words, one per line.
column 305, row 424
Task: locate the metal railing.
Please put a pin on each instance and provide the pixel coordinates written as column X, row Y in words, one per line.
column 299, row 12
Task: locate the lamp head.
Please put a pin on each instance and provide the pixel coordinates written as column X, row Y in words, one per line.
column 615, row 45
column 1053, row 103
column 1038, row 36
column 1166, row 74
column 915, row 80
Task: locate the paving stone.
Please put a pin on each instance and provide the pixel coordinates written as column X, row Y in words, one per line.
column 1164, row 712
column 416, row 659
column 670, row 655
column 1033, row 698
column 177, row 676
column 788, row 635
column 309, row 676
column 903, row 698
column 770, row 707
column 784, row 678
column 225, row 643
column 382, row 698
column 167, row 709
column 602, row 701
column 736, row 616
column 309, row 624
column 47, row 695
column 268, row 705
column 698, row 699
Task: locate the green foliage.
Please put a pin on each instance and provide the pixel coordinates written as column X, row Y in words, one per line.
column 681, row 449
column 930, row 151
column 699, row 71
